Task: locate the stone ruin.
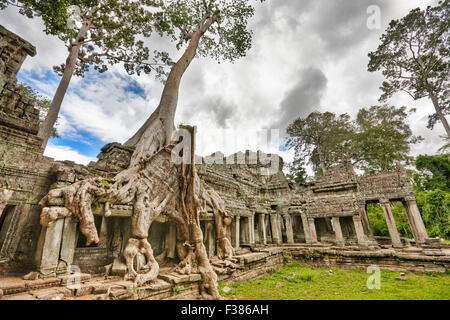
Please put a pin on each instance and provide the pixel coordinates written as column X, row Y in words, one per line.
column 271, row 218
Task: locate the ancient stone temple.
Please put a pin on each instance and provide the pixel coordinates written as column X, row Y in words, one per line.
column 270, row 220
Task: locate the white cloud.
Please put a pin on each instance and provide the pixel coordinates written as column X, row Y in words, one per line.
column 66, row 153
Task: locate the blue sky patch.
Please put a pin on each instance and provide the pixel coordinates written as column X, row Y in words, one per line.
column 86, row 143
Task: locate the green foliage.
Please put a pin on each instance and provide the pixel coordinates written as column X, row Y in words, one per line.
column 378, row 221
column 434, row 172
column 435, row 209
column 378, row 138
column 42, row 103
column 226, row 39
column 382, row 138
column 414, row 56
column 105, row 182
column 306, row 277
column 176, row 289
column 322, row 137
column 432, row 191
column 114, row 31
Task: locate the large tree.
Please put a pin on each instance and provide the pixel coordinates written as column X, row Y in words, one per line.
column 153, row 182
column 383, row 137
column 379, row 137
column 414, row 58
column 97, row 33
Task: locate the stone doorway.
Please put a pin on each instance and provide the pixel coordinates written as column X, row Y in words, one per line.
column 348, row 230
column 5, row 222
column 299, row 232
column 324, row 230
column 382, row 222
column 244, row 231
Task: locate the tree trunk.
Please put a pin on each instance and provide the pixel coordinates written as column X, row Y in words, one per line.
column 52, row 114
column 155, row 185
column 158, row 129
column 440, row 114
column 321, row 160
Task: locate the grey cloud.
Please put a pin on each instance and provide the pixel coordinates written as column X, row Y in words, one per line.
column 219, row 110
column 303, row 98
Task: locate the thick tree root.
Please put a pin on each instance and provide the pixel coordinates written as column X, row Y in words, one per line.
column 154, row 185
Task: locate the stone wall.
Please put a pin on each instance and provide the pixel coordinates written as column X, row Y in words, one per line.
column 24, row 171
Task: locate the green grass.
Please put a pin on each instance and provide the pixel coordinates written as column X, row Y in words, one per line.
column 311, row 283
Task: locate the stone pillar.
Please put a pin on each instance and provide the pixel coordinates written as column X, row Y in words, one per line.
column 276, row 237
column 306, row 230
column 172, row 241
column 262, row 227
column 237, row 230
column 49, row 245
column 415, row 220
column 392, row 227
column 68, row 243
column 337, row 230
column 364, row 218
column 251, row 222
column 362, row 239
column 312, row 230
column 289, row 230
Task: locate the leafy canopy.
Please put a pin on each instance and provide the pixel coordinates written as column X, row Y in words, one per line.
column 414, row 56
column 108, row 31
column 228, row 38
column 382, row 138
column 379, row 137
column 117, row 27
column 433, row 172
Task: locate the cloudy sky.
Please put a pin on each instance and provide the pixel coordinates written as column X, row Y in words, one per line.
column 307, row 55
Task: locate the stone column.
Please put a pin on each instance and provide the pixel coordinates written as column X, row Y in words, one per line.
column 392, row 227
column 312, row 230
column 262, row 227
column 306, row 230
column 276, row 238
column 251, row 222
column 337, row 230
column 362, row 239
column 237, row 230
column 68, row 243
column 49, row 245
column 415, row 220
column 364, row 218
column 289, row 230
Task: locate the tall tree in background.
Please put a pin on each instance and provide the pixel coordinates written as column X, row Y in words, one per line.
column 153, row 182
column 378, row 138
column 414, row 57
column 324, row 138
column 383, row 137
column 97, row 33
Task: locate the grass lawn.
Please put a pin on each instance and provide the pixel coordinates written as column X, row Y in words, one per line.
column 311, row 283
